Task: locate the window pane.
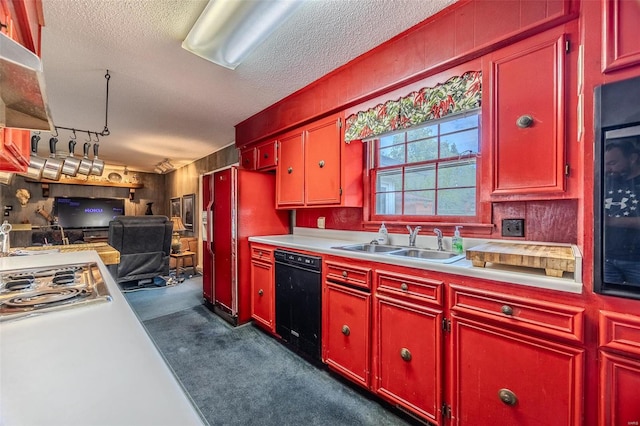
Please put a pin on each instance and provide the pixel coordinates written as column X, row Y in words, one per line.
column 451, row 175
column 423, row 150
column 389, row 180
column 457, row 143
column 422, row 177
column 459, row 124
column 389, row 203
column 457, row 202
column 419, row 203
column 423, row 132
column 387, row 141
column 392, row 156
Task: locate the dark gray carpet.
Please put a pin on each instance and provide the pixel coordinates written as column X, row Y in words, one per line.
column 241, row 376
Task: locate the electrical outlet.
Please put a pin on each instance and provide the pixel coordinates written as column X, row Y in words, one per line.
column 513, row 227
column 321, row 222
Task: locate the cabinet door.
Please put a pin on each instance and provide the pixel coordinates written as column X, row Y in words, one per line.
column 621, row 46
column 509, row 378
column 346, row 332
column 290, row 173
column 248, row 158
column 262, row 294
column 408, row 356
column 267, row 155
column 15, row 151
column 528, row 116
column 322, row 162
column 620, row 380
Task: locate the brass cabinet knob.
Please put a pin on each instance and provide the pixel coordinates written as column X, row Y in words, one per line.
column 524, row 121
column 507, row 396
column 404, row 287
column 290, row 170
column 266, row 156
column 260, row 292
column 405, row 354
column 507, row 310
column 345, row 330
column 321, row 163
column 344, row 274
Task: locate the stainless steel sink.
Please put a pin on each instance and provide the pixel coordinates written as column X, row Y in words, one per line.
column 370, row 248
column 430, row 255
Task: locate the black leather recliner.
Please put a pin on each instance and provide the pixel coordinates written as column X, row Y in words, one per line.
column 144, row 243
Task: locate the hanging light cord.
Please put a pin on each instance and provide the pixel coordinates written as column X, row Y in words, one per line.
column 105, row 131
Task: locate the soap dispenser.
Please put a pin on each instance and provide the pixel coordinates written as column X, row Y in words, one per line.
column 456, row 242
column 383, row 236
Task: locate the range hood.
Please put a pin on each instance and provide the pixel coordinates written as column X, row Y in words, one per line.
column 23, row 103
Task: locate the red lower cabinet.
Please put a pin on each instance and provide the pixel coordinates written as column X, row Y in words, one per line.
column 508, row 378
column 347, row 340
column 408, row 343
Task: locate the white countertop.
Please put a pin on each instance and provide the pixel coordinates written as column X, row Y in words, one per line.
column 322, row 241
column 90, row 365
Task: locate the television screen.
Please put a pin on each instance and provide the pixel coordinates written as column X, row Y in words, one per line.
column 75, row 212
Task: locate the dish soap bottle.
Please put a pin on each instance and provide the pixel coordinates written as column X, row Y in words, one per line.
column 456, row 242
column 383, row 236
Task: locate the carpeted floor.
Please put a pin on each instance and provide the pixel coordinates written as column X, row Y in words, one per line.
column 242, row 376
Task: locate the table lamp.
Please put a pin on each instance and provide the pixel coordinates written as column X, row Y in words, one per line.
column 178, row 226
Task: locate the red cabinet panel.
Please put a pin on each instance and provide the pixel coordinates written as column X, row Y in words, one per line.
column 322, row 162
column 528, row 115
column 248, row 158
column 346, row 332
column 510, row 378
column 619, row 381
column 262, row 293
column 620, row 29
column 290, row 172
column 15, row 150
column 267, row 155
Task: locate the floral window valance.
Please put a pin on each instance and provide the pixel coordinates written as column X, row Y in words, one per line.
column 457, row 94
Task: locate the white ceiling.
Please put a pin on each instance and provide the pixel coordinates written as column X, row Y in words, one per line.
column 165, row 102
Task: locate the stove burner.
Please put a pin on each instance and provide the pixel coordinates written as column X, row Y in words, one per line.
column 45, row 298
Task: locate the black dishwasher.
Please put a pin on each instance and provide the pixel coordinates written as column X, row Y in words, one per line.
column 298, row 301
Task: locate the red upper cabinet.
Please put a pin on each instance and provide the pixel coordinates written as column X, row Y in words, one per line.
column 290, row 172
column 315, row 168
column 621, row 47
column 527, row 129
column 15, row 152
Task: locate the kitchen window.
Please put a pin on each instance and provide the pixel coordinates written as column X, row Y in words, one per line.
column 428, row 172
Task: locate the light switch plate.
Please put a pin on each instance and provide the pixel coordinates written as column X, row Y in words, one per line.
column 513, row 227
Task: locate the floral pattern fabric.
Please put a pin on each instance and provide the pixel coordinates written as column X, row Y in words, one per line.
column 460, row 93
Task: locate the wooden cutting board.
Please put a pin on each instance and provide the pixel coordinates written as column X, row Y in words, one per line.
column 553, row 259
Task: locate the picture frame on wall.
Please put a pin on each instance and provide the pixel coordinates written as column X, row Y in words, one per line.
column 176, row 207
column 188, row 209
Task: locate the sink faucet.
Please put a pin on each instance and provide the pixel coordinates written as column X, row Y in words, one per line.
column 438, row 233
column 413, row 233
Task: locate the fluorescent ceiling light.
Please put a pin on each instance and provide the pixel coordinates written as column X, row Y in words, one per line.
column 228, row 30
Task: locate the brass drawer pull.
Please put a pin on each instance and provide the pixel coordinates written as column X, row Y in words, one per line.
column 266, row 156
column 344, row 274
column 290, row 170
column 507, row 397
column 405, row 354
column 321, row 163
column 260, row 292
column 524, row 121
column 507, row 310
column 345, row 330
column 404, row 287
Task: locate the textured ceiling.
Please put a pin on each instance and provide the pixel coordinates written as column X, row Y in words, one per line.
column 165, row 102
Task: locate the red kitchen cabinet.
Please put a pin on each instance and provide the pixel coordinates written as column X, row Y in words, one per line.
column 15, row 150
column 267, row 155
column 527, row 128
column 510, row 360
column 621, row 44
column 262, row 287
column 315, row 168
column 290, row 171
column 619, row 354
column 247, row 158
column 346, row 328
column 408, row 350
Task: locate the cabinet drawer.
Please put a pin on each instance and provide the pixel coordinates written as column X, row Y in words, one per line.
column 262, row 253
column 248, row 158
column 266, row 155
column 349, row 275
column 410, row 287
column 619, row 332
column 549, row 319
